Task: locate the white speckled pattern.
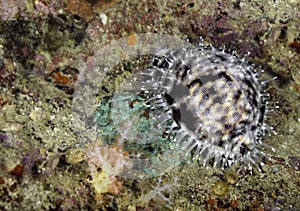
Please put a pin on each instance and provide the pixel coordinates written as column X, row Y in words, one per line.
column 215, row 101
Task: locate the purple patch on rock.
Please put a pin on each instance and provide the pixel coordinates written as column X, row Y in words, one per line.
column 3, row 139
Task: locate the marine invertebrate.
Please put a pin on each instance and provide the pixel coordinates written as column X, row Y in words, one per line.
column 158, row 191
column 212, row 101
column 106, row 164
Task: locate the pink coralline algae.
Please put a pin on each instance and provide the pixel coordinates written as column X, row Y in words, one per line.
column 9, row 9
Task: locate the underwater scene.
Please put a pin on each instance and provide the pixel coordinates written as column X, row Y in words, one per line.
column 150, row 105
